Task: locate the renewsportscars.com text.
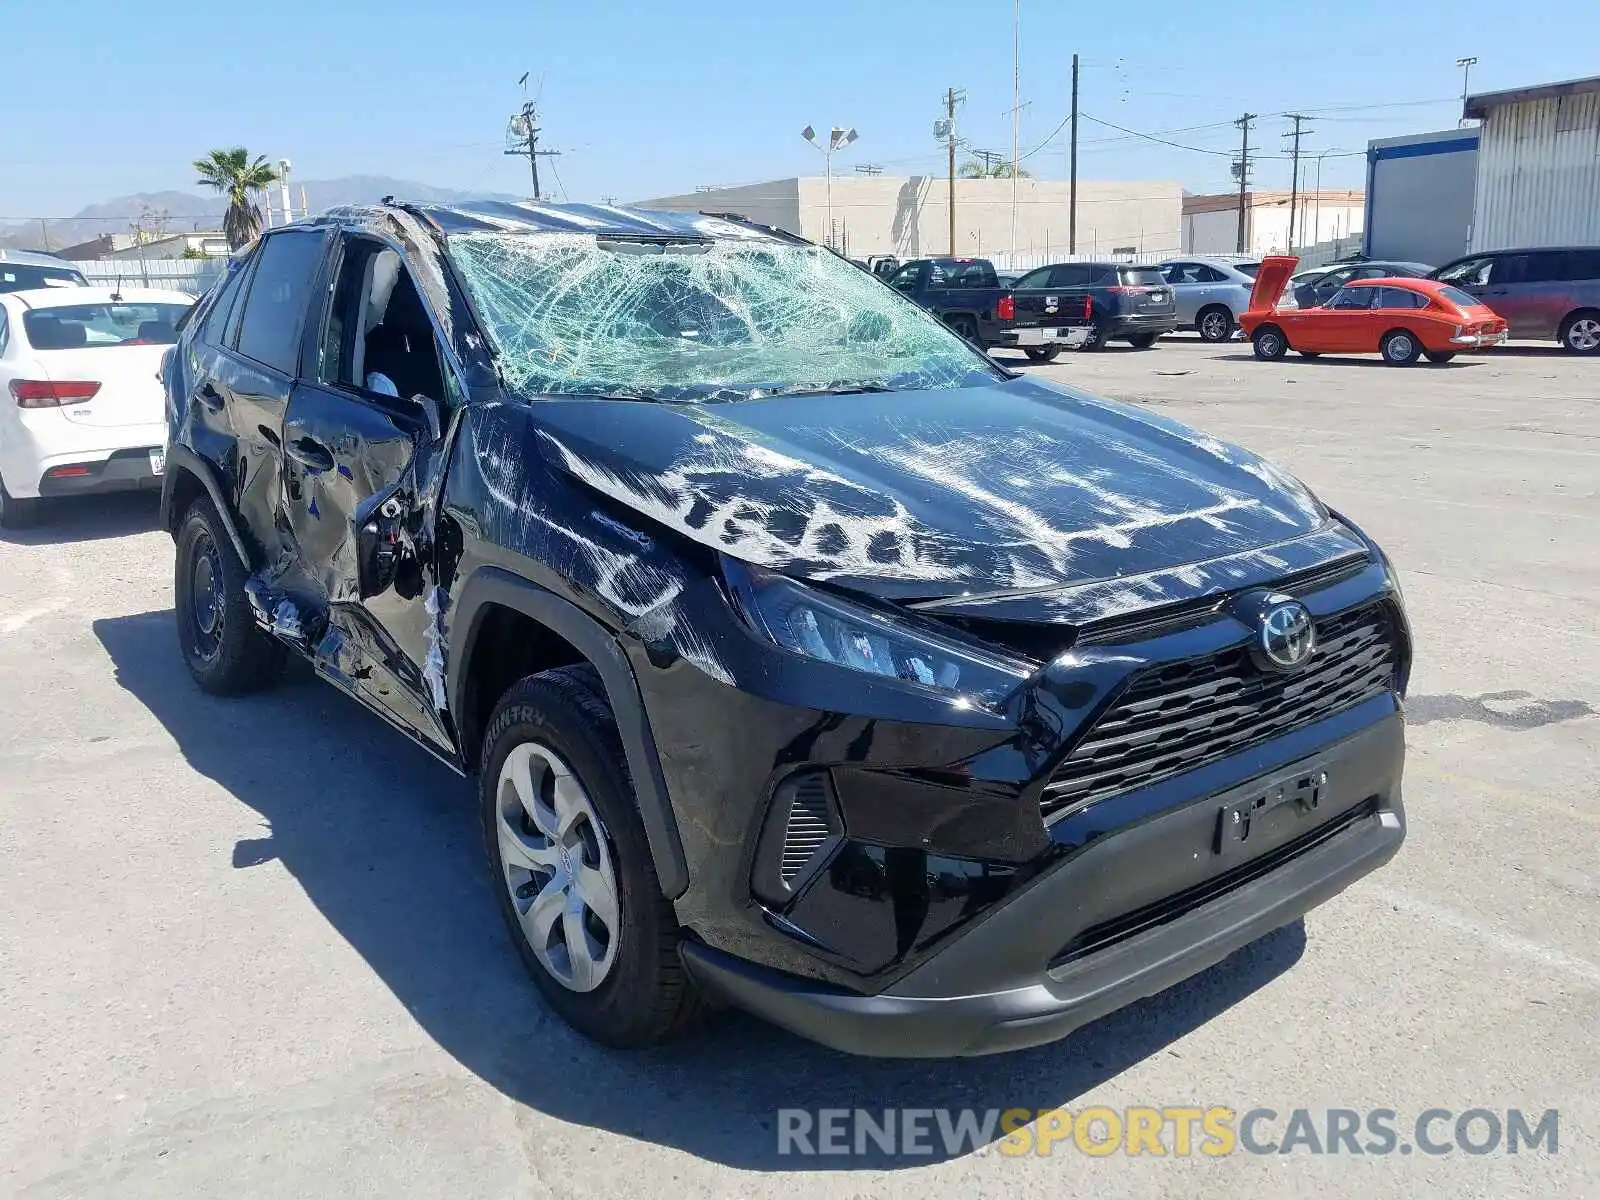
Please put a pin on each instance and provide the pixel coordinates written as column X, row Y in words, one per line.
column 1175, row 1131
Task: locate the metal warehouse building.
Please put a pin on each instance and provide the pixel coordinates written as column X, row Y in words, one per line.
column 909, row 216
column 1538, row 180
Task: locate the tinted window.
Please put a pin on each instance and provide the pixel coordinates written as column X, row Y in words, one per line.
column 269, row 331
column 1034, row 280
column 216, row 319
column 1354, row 297
column 5, row 332
column 906, row 277
column 1072, row 275
column 1457, row 296
column 1144, row 276
column 1249, row 269
column 87, row 326
column 974, row 274
column 14, row 277
column 1400, row 298
column 1581, row 264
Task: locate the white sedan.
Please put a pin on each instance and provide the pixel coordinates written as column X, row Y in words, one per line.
column 81, row 402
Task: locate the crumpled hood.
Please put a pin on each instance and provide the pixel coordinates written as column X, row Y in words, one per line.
column 1020, row 485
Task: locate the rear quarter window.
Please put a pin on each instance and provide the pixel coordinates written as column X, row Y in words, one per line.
column 280, row 292
column 1457, row 296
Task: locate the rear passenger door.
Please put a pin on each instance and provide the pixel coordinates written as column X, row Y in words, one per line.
column 1530, row 291
column 242, row 367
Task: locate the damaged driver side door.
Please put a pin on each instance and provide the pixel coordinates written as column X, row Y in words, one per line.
column 360, row 439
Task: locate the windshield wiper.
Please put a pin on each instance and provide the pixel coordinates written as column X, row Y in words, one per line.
column 840, row 388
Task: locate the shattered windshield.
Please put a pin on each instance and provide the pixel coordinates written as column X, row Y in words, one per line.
column 700, row 321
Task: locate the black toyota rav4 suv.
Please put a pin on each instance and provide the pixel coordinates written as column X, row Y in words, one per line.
column 805, row 659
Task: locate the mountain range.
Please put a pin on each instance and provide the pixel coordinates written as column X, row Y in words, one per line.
column 184, row 211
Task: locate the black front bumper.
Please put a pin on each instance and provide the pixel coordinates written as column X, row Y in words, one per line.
column 1044, row 964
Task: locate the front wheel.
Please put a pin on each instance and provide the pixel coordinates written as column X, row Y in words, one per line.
column 1041, row 354
column 226, row 652
column 1399, row 348
column 1580, row 333
column 1215, row 324
column 1269, row 343
column 572, row 867
column 1439, row 356
column 1143, row 341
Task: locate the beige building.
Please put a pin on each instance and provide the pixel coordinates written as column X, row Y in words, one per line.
column 909, row 216
column 1211, row 223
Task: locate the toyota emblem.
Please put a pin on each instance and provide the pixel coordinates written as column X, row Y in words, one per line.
column 1286, row 634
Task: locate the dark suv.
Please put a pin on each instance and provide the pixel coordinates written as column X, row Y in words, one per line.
column 1118, row 301
column 805, row 658
column 1547, row 294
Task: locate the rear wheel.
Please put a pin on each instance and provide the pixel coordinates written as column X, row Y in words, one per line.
column 1041, row 354
column 1143, row 341
column 1400, row 348
column 225, row 650
column 572, row 867
column 1439, row 356
column 1214, row 323
column 965, row 326
column 1096, row 340
column 17, row 514
column 1580, row 333
column 1269, row 343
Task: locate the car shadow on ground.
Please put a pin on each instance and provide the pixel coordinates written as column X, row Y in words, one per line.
column 89, row 518
column 386, row 843
column 1338, row 360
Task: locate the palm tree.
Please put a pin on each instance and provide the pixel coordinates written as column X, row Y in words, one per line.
column 234, row 175
column 976, row 169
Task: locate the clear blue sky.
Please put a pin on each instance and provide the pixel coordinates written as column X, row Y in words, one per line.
column 646, row 99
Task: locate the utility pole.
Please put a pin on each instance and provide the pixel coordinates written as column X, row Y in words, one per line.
column 1072, row 192
column 1466, row 65
column 1294, row 176
column 45, row 229
column 1016, row 113
column 950, row 147
column 522, row 138
column 1243, row 169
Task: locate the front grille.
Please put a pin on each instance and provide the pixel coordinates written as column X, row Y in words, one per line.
column 807, row 829
column 1177, row 716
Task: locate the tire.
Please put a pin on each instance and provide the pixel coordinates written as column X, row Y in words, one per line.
column 1400, row 348
column 225, row 650
column 965, row 326
column 1215, row 323
column 1439, row 356
column 15, row 513
column 628, row 987
column 1580, row 332
column 1269, row 343
column 1143, row 341
column 1041, row 354
column 1097, row 338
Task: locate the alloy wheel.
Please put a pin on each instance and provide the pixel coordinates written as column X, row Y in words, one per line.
column 1214, row 327
column 558, row 866
column 1584, row 334
column 1400, row 347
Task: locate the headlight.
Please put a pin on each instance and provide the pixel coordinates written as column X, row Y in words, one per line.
column 810, row 622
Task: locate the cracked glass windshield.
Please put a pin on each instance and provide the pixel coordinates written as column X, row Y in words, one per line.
column 699, row 321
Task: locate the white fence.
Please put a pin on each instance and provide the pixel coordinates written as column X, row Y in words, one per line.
column 1027, row 262
column 192, row 275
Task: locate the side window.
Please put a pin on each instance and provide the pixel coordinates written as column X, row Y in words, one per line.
column 378, row 337
column 280, row 290
column 1069, row 275
column 1205, row 274
column 1473, row 272
column 1400, row 298
column 1545, row 266
column 977, row 275
column 216, row 322
column 1354, row 298
column 1182, row 272
column 905, row 279
column 1510, row 268
column 1581, row 264
column 1330, row 283
column 1099, row 275
column 1033, row 281
column 5, row 333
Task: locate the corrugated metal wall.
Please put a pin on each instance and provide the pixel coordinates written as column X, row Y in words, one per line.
column 1539, row 175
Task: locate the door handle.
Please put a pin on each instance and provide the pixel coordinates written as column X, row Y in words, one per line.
column 310, row 453
column 209, row 397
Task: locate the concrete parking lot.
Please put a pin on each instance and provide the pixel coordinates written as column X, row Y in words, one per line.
column 249, row 949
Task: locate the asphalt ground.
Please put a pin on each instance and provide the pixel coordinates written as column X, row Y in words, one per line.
column 249, row 948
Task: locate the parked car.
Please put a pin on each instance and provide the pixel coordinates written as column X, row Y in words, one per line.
column 883, row 265
column 1210, row 291
column 1114, row 301
column 1318, row 285
column 1402, row 319
column 965, row 293
column 80, row 409
column 1545, row 294
column 23, row 270
column 742, row 586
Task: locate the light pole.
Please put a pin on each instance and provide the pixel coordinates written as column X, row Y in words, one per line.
column 1316, row 219
column 1466, row 65
column 283, row 189
column 838, row 138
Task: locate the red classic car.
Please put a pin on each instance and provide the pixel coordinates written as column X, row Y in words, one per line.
column 1401, row 319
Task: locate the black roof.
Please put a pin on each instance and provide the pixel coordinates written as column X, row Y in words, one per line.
column 605, row 220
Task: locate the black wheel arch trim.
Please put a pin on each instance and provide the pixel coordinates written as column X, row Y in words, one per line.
column 182, row 459
column 490, row 585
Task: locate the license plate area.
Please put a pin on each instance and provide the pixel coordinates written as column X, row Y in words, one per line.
column 1261, row 817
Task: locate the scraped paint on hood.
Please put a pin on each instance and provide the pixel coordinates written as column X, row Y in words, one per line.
column 1019, row 485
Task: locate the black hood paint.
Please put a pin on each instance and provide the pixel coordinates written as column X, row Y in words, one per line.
column 1020, row 486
